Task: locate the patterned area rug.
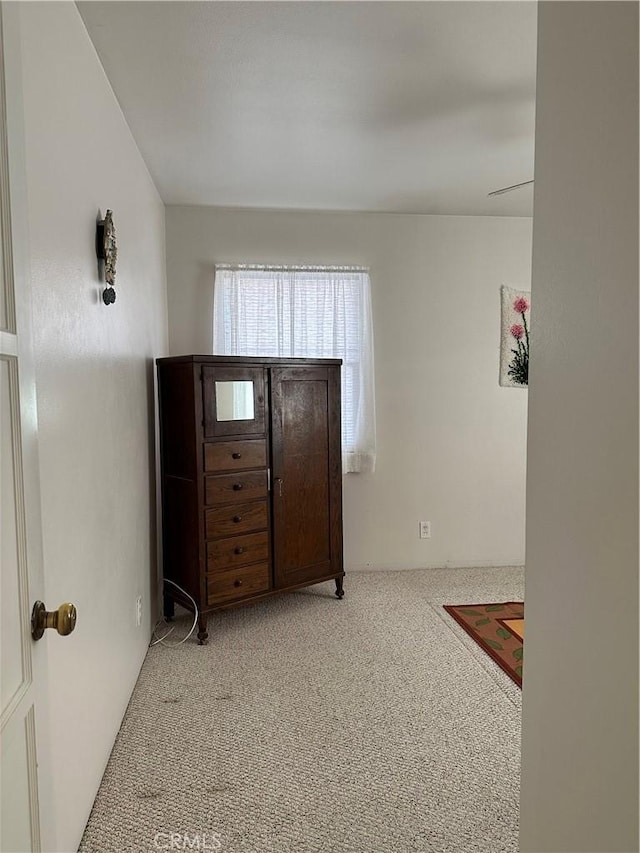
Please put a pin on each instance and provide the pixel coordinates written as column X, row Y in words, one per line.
column 498, row 628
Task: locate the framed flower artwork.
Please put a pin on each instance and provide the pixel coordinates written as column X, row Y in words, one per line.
column 515, row 328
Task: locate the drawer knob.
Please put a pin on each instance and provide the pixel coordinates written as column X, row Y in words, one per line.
column 236, row 455
column 237, row 487
column 237, row 583
column 238, row 550
column 237, row 519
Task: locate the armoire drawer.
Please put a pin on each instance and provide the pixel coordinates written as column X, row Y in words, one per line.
column 237, row 551
column 238, row 583
column 235, row 455
column 235, row 488
column 233, row 519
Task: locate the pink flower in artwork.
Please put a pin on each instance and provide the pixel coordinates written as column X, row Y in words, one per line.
column 521, row 305
column 517, row 331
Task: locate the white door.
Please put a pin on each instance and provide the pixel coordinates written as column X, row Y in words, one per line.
column 25, row 778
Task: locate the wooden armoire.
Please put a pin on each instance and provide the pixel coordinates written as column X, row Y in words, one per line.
column 251, row 478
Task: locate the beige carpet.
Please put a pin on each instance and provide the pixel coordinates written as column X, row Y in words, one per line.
column 310, row 724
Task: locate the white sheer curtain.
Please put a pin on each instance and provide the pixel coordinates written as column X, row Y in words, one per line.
column 306, row 312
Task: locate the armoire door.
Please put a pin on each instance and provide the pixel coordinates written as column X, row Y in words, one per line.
column 233, row 400
column 307, row 471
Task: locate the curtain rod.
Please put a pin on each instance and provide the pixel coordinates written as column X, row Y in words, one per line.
column 294, row 268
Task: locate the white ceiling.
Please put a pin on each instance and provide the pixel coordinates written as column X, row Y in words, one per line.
column 419, row 107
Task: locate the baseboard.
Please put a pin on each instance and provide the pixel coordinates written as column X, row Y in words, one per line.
column 366, row 567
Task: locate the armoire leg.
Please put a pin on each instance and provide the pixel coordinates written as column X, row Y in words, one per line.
column 202, row 629
column 339, row 589
column 169, row 607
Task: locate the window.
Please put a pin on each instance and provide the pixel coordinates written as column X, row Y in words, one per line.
column 306, row 312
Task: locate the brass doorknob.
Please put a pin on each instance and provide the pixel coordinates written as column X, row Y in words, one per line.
column 63, row 619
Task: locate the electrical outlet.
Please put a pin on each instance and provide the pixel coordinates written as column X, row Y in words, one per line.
column 425, row 530
column 139, row 611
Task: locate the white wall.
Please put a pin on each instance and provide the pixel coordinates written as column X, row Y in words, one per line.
column 94, row 370
column 451, row 443
column 580, row 713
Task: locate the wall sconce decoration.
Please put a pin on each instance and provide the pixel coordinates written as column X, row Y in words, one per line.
column 107, row 251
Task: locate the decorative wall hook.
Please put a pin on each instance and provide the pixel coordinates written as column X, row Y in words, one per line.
column 107, row 251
